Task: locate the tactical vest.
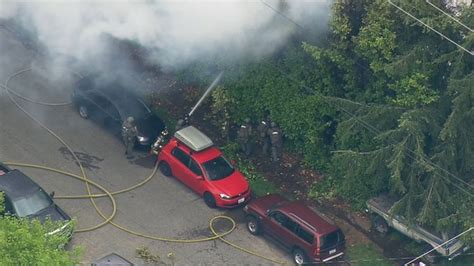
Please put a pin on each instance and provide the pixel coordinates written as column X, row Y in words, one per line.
column 244, row 132
column 275, row 136
column 262, row 129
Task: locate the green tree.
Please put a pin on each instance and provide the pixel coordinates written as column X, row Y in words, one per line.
column 418, row 144
column 384, row 105
column 220, row 110
column 25, row 242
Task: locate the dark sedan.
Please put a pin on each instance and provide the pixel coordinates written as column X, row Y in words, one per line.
column 26, row 199
column 109, row 104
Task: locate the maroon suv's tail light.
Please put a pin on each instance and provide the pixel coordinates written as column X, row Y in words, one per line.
column 317, row 251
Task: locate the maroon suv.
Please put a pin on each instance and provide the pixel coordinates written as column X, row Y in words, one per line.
column 309, row 236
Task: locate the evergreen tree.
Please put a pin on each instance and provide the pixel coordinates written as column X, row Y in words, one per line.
column 419, row 145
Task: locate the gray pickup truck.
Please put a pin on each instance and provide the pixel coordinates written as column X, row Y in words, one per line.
column 380, row 210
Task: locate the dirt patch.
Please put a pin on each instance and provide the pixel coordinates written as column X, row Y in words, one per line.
column 289, row 175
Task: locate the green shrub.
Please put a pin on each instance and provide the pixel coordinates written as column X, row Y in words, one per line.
column 259, row 184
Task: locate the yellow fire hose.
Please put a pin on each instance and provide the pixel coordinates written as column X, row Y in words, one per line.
column 109, row 219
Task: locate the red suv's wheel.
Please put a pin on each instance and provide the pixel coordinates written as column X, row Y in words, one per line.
column 299, row 257
column 165, row 169
column 253, row 225
column 209, row 200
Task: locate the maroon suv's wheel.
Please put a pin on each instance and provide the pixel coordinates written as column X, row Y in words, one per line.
column 299, row 257
column 165, row 169
column 253, row 225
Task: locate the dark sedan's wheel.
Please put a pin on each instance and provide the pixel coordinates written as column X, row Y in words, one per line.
column 209, row 200
column 253, row 225
column 165, row 169
column 299, row 257
column 83, row 111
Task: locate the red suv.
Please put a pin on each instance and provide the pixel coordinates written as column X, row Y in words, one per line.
column 309, row 236
column 192, row 158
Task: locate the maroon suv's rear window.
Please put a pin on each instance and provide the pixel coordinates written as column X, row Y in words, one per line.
column 331, row 239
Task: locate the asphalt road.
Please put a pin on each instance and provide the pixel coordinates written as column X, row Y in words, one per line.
column 163, row 207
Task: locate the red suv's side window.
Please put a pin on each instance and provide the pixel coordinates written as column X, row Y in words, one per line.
column 181, row 156
column 187, row 161
column 194, row 167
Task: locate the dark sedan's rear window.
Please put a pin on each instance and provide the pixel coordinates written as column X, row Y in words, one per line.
column 133, row 107
column 331, row 239
column 85, row 84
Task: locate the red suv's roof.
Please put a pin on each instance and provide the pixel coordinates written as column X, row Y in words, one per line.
column 312, row 220
column 200, row 156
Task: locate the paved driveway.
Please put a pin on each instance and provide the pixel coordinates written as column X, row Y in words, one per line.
column 163, row 207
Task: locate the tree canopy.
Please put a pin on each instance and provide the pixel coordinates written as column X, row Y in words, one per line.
column 419, row 145
column 26, row 242
column 381, row 104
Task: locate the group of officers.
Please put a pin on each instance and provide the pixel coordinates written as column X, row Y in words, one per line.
column 267, row 135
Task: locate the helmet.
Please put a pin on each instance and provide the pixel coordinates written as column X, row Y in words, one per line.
column 247, row 120
column 130, row 119
column 273, row 124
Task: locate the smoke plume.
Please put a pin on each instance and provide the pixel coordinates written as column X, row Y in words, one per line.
column 173, row 33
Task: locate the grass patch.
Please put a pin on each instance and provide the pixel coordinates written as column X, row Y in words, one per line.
column 261, row 187
column 366, row 255
column 461, row 260
column 416, row 248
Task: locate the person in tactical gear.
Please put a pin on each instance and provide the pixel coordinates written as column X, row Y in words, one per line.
column 129, row 134
column 244, row 136
column 179, row 125
column 160, row 142
column 186, row 120
column 263, row 138
column 276, row 140
column 183, row 122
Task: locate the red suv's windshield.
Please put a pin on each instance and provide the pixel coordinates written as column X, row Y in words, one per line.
column 218, row 168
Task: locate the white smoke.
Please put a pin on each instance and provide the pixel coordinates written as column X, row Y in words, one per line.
column 173, row 33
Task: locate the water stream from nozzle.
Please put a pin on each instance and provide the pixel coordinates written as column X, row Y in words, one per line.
column 213, row 84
